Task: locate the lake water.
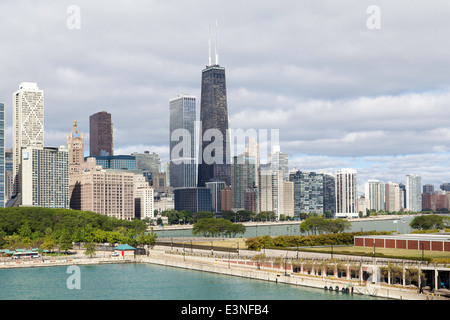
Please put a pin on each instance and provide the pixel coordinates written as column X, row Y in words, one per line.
column 294, row 229
column 149, row 282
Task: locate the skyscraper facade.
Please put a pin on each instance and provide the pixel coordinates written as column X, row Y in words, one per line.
column 183, row 165
column 374, row 191
column 2, row 156
column 243, row 177
column 45, row 177
column 392, row 198
column 28, row 124
column 101, row 134
column 279, row 161
column 308, row 192
column 214, row 157
column 346, row 193
column 413, row 193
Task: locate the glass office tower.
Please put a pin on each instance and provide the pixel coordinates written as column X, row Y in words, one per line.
column 183, row 165
column 214, row 158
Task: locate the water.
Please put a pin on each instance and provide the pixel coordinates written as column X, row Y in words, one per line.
column 293, row 229
column 149, row 282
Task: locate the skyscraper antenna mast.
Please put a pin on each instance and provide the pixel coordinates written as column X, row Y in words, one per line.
column 209, row 61
column 216, row 49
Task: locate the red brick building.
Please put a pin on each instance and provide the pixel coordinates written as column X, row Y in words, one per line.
column 433, row 242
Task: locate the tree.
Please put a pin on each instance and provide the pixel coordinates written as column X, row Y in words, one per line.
column 212, row 227
column 89, row 249
column 65, row 241
column 430, row 222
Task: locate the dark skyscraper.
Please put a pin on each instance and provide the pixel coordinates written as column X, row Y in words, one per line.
column 214, row 157
column 101, row 134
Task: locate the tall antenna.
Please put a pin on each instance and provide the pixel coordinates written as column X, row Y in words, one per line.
column 209, row 61
column 217, row 51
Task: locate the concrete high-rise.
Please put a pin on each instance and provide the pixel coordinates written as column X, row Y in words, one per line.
column 183, row 165
column 413, row 193
column 393, row 197
column 28, row 124
column 45, row 177
column 346, row 193
column 375, row 193
column 101, row 141
column 214, row 148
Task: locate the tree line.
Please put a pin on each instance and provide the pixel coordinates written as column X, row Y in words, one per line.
column 46, row 228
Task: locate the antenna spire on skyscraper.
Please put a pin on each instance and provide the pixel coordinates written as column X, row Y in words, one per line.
column 209, row 61
column 217, row 51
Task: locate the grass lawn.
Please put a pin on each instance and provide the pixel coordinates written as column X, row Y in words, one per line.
column 383, row 252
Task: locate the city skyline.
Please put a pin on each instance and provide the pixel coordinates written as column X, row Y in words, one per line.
column 342, row 95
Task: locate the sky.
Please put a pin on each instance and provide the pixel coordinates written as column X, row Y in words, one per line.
column 348, row 84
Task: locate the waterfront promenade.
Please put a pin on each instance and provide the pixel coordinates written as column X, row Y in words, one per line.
column 236, row 266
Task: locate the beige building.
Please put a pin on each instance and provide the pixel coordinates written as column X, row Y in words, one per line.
column 143, row 198
column 393, row 197
column 288, row 198
column 108, row 192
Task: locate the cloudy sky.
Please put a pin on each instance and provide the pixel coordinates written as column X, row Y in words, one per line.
column 341, row 93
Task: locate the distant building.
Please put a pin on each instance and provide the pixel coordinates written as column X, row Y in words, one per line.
column 243, row 177
column 147, row 161
column 45, row 177
column 143, row 198
column 214, row 120
column 279, row 161
column 28, row 124
column 329, row 193
column 183, row 164
column 428, row 188
column 346, row 193
column 75, row 145
column 413, row 193
column 3, row 197
column 119, row 162
column 374, row 192
column 393, row 197
column 107, row 192
column 193, row 199
column 226, row 199
column 216, row 188
column 101, row 134
column 308, row 192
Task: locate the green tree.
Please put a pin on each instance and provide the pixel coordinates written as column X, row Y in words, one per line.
column 65, row 241
column 89, row 249
column 430, row 222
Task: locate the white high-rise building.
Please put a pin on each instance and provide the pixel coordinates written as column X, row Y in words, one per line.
column 28, row 124
column 346, row 193
column 374, row 192
column 413, row 193
column 143, row 198
column 279, row 161
column 45, row 177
